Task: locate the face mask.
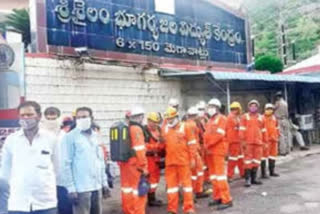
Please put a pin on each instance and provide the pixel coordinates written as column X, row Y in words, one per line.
column 84, row 124
column 269, row 112
column 212, row 111
column 28, row 124
column 201, row 113
column 253, row 109
column 51, row 125
column 173, row 123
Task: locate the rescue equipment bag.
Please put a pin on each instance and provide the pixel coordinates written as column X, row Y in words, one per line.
column 120, row 143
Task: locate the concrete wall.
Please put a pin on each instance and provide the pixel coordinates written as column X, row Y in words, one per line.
column 109, row 90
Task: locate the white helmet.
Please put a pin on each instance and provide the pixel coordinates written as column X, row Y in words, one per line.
column 215, row 102
column 137, row 110
column 254, row 102
column 269, row 105
column 201, row 105
column 193, row 111
column 173, row 102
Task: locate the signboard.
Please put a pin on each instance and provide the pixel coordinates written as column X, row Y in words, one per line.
column 198, row 30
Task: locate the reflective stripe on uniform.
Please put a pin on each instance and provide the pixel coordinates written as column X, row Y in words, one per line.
column 222, row 178
column 256, row 161
column 247, row 116
column 139, row 148
column 240, row 156
column 192, row 142
column 187, row 189
column 263, row 159
column 194, row 178
column 182, row 128
column 242, row 128
column 135, row 192
column 126, row 190
column 221, row 131
column 212, row 177
column 205, row 168
column 153, row 186
column 233, row 158
column 200, row 174
column 263, row 130
column 272, row 157
column 247, row 161
column 172, row 190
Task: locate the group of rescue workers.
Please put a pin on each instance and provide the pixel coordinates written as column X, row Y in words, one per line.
column 195, row 149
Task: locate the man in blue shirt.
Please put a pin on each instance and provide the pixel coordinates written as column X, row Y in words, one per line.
column 84, row 166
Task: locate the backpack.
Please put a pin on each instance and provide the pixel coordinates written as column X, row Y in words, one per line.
column 120, row 143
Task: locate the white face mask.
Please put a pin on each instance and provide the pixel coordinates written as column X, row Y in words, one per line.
column 201, row 113
column 173, row 123
column 84, row 124
column 212, row 111
column 51, row 125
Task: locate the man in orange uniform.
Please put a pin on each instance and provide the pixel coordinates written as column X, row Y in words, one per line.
column 197, row 171
column 181, row 148
column 154, row 151
column 235, row 149
column 272, row 128
column 132, row 170
column 216, row 146
column 252, row 133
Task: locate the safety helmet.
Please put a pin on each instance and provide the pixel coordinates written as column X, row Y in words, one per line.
column 201, row 105
column 236, row 105
column 173, row 102
column 171, row 113
column 154, row 117
column 215, row 102
column 268, row 106
column 279, row 94
column 254, row 102
column 137, row 110
column 193, row 110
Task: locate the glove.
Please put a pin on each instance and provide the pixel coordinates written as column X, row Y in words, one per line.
column 73, row 197
column 106, row 192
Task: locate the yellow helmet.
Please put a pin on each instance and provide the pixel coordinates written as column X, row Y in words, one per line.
column 236, row 105
column 171, row 113
column 154, row 117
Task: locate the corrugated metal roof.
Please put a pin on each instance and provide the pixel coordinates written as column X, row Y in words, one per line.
column 243, row 76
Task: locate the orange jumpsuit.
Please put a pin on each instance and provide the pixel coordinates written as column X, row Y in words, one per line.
column 180, row 146
column 235, row 149
column 253, row 133
column 216, row 146
column 271, row 124
column 154, row 147
column 130, row 173
column 197, row 171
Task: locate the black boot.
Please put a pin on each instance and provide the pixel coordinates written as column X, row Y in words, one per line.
column 272, row 166
column 214, row 203
column 247, row 176
column 264, row 170
column 225, row 206
column 254, row 179
column 152, row 201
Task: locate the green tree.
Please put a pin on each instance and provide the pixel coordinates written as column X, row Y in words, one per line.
column 269, row 63
column 18, row 21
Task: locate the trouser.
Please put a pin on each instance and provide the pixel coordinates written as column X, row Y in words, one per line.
column 4, row 196
column 273, row 150
column 285, row 139
column 48, row 211
column 235, row 160
column 154, row 173
column 265, row 151
column 205, row 159
column 219, row 179
column 175, row 176
column 252, row 156
column 131, row 202
column 198, row 176
column 299, row 138
column 64, row 204
column 89, row 203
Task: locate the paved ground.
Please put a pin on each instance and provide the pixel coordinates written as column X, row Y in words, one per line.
column 297, row 191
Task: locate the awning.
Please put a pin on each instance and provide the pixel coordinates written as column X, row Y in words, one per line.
column 241, row 76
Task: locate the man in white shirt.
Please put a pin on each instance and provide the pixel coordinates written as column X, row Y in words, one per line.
column 29, row 163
